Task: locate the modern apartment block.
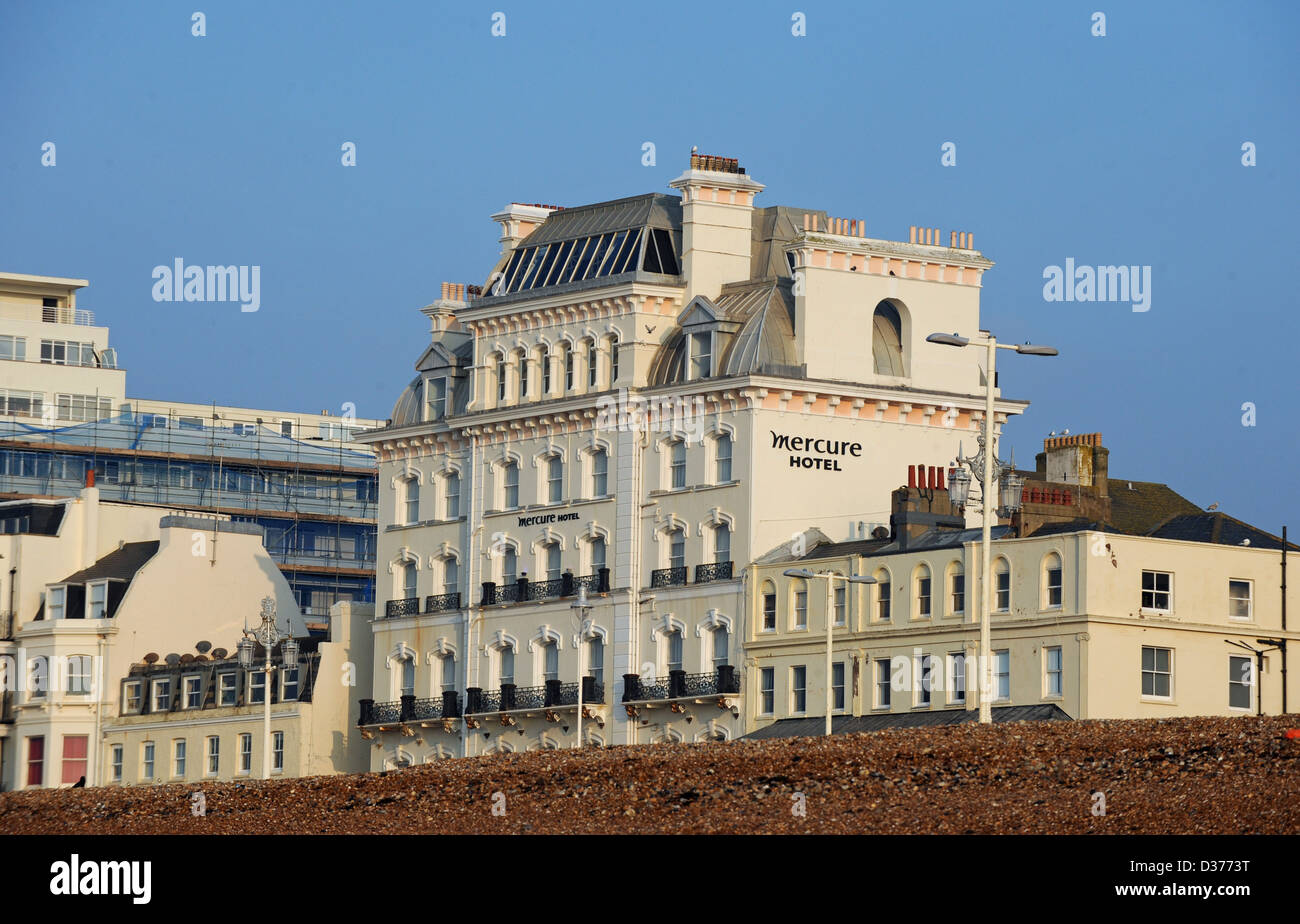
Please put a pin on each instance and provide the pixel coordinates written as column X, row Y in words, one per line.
column 64, row 410
column 643, row 397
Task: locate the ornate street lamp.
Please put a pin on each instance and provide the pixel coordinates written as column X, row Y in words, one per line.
column 830, row 577
column 268, row 635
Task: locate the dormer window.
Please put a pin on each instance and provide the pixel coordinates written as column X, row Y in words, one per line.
column 98, row 600
column 701, row 358
column 56, row 602
column 435, row 391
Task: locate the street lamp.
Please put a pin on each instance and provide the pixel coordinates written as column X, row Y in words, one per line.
column 582, row 611
column 987, row 466
column 830, row 577
column 269, row 635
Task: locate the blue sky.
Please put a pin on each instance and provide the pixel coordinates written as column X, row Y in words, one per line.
column 1122, row 149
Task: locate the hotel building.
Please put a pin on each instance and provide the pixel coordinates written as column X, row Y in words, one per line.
column 644, row 397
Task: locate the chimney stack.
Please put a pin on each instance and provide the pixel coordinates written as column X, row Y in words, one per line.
column 717, row 220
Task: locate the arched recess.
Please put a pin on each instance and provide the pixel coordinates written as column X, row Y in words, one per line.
column 888, row 330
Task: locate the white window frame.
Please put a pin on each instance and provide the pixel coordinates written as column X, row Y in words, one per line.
column 180, row 754
column 79, row 669
column 956, row 670
column 56, row 601
column 245, row 764
column 1048, row 587
column 798, row 675
column 1155, row 609
column 924, row 697
column 840, row 690
column 196, row 690
column 160, row 683
column 1250, row 599
column 767, row 691
column 212, row 755
column 881, row 688
column 694, row 356
column 148, row 759
column 116, row 754
column 228, row 683
column 1048, row 693
column 999, row 656
column 277, row 752
column 1233, row 681
column 96, row 610
column 1155, row 673
column 719, row 460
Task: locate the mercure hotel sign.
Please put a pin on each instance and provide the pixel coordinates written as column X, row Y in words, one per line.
column 815, row 452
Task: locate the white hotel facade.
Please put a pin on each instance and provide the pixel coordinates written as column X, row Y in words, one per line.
column 789, row 351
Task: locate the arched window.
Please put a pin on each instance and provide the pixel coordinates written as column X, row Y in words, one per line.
column 887, row 340
column 721, row 543
column 613, row 359
column 956, row 589
column 721, row 645
column 599, row 473
column 510, row 485
column 552, row 561
column 884, row 595
column 451, row 495
column 555, row 479
column 447, row 665
column 499, row 370
column 768, row 597
column 550, row 660
column 523, row 375
column 407, row 664
column 677, row 464
column 450, row 574
column 509, row 566
column 1052, row 583
column 411, row 498
column 1002, row 586
column 674, row 639
column 568, row 367
column 596, row 658
column 408, row 580
column 597, row 550
column 921, row 591
column 722, row 458
column 506, row 664
column 799, row 601
column 592, row 368
column 677, row 549
column 544, row 361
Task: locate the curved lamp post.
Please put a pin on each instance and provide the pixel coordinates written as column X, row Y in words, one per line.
column 268, row 635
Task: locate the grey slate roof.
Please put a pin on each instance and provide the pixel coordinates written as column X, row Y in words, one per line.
column 930, row 539
column 847, row 724
column 121, row 564
column 650, row 210
column 1218, row 528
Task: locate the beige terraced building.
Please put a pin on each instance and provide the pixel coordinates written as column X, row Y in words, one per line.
column 644, row 396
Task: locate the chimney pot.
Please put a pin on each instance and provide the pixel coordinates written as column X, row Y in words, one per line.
column 911, row 476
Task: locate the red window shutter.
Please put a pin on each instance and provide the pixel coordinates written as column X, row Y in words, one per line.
column 74, row 757
column 35, row 761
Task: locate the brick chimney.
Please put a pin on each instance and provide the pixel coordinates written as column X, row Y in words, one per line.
column 922, row 505
column 717, row 223
column 518, row 220
column 1079, row 459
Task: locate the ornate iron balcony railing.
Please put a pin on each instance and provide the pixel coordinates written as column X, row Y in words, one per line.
column 546, row 590
column 721, row 681
column 508, row 593
column 427, row 709
column 668, row 577
column 410, row 606
column 441, row 603
column 384, row 713
column 719, row 571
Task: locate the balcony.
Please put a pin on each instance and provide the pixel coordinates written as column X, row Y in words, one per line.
column 552, row 694
column 410, row 606
column 724, row 681
column 668, row 577
column 524, row 590
column 442, row 603
column 719, row 571
column 410, row 709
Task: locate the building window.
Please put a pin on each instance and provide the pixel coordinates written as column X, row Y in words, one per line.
column 677, row 464
column 1157, row 672
column 214, row 755
column 596, row 658
column 436, row 398
column 289, row 691
column 674, row 650
column 884, row 595
column 99, row 600
column 799, row 689
column 837, row 684
column 509, row 566
column 55, row 602
column 1002, row 673
column 13, row 347
column 412, row 485
column 550, row 661
column 800, row 591
column 721, row 543
column 599, row 473
column 451, row 495
column 677, row 549
column 146, row 761
column 923, row 688
column 1240, row 601
column 245, row 753
column 506, row 664
column 178, row 757
column 597, row 545
column 957, row 582
column 511, row 485
column 613, row 359
column 193, row 692
column 409, row 578
column 74, row 757
column 1002, row 586
column 882, row 683
column 722, row 458
column 568, row 367
column 227, row 694
column 67, row 353
column 36, row 760
column 448, row 668
column 1157, row 591
column 450, row 574
column 277, row 752
column 841, row 604
column 555, row 479
column 286, row 428
column 256, row 686
column 407, row 676
column 544, row 361
column 131, row 697
column 769, row 608
column 592, row 367
column 552, row 561
column 115, row 761
column 79, row 674
column 1241, row 681
column 767, row 689
column 523, row 375
column 702, row 355
column 1054, row 669
column 499, row 370
column 1052, row 582
column 82, row 407
column 923, row 592
column 721, row 642
column 957, row 677
column 162, row 695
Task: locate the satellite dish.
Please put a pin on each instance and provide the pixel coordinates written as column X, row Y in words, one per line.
column 187, row 658
column 202, row 647
column 151, row 658
column 218, row 653
column 172, row 659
